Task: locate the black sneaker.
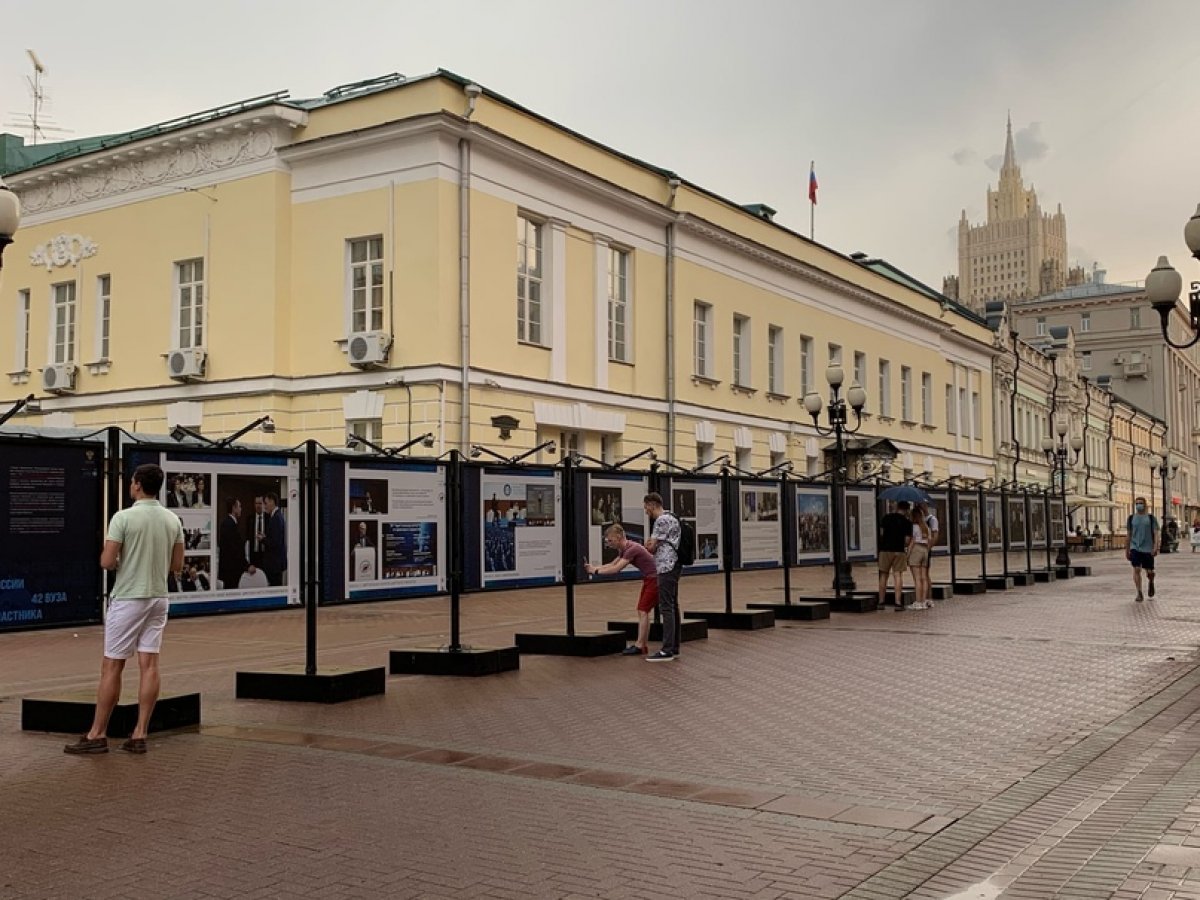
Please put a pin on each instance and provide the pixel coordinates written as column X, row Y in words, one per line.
column 87, row 745
column 632, row 650
column 661, row 656
column 1150, row 589
column 1138, row 598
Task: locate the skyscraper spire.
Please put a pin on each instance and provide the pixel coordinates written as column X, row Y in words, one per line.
column 1010, row 155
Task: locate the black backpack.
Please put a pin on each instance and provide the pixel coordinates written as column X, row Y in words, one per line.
column 687, row 543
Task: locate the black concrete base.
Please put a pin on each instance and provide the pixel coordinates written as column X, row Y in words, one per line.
column 970, row 586
column 805, row 610
column 592, row 643
column 941, row 591
column 327, row 685
column 1022, row 579
column 1064, row 572
column 1082, row 571
column 467, row 661
column 999, row 582
column 1044, row 576
column 738, row 620
column 691, row 630
column 850, row 603
column 72, row 713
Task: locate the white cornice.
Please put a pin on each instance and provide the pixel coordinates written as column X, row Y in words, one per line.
column 160, row 163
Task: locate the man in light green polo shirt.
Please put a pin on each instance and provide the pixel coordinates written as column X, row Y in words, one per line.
column 144, row 544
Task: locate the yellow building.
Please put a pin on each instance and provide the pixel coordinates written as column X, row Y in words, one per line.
column 418, row 254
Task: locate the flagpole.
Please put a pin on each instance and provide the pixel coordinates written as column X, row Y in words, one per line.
column 812, row 204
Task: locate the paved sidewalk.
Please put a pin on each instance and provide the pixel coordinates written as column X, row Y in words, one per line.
column 1034, row 743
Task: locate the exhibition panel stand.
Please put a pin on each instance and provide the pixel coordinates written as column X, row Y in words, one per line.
column 789, row 609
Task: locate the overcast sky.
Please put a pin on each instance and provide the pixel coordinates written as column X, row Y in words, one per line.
column 901, row 103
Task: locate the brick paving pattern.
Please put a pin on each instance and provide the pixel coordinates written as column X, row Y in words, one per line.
column 1035, row 743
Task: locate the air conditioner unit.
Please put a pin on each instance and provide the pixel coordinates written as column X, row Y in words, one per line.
column 368, row 348
column 1137, row 369
column 187, row 364
column 59, row 378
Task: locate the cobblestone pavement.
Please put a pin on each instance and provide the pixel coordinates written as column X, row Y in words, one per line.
column 1040, row 742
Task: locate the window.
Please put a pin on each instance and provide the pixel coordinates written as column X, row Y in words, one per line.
column 103, row 312
column 701, row 329
column 775, row 359
column 568, row 442
column 906, row 404
column 618, row 305
column 964, row 412
column 885, row 388
column 369, row 429
column 835, row 354
column 189, row 302
column 1085, row 322
column 607, row 449
column 1135, row 317
column 1085, row 360
column 806, row 366
column 64, row 322
column 704, row 454
column 529, row 280
column 366, row 284
column 743, row 459
column 860, row 369
column 951, row 419
column 1041, row 327
column 741, row 351
column 21, row 347
column 976, row 416
column 926, row 398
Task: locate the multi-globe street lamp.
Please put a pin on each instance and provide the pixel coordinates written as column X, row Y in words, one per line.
column 1164, row 285
column 1166, row 470
column 10, row 217
column 838, row 427
column 1057, row 455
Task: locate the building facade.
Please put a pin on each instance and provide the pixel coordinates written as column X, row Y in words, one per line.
column 411, row 255
column 1018, row 252
column 1118, row 339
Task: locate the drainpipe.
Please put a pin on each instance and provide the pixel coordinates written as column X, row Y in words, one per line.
column 473, row 91
column 673, row 183
column 1012, row 406
column 1087, row 468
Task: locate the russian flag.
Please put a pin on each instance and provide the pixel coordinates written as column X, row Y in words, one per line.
column 812, row 185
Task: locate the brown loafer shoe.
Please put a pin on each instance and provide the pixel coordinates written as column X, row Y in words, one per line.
column 134, row 745
column 87, row 745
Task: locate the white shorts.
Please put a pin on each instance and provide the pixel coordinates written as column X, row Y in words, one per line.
column 134, row 625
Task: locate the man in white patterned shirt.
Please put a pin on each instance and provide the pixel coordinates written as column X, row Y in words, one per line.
column 664, row 544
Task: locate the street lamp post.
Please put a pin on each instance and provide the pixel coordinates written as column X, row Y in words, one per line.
column 1166, row 470
column 1056, row 456
column 855, row 399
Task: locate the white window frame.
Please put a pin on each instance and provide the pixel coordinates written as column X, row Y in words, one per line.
column 835, row 354
column 1135, row 317
column 21, row 345
column 744, row 458
column 806, row 365
column 63, row 297
column 702, row 362
column 774, row 359
column 370, row 429
column 951, row 418
column 620, row 332
column 1085, row 361
column 860, row 369
column 531, row 310
column 188, row 286
column 926, row 398
column 885, row 387
column 1085, row 323
column 906, row 397
column 741, row 350
column 103, row 317
column 1039, row 328
column 371, row 294
column 976, row 416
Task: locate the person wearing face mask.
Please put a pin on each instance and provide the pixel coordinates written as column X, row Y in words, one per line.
column 1143, row 546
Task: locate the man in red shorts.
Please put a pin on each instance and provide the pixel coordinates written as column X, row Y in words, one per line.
column 630, row 552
